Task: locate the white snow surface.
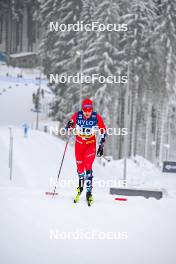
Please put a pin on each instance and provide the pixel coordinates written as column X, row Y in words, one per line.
column 36, row 228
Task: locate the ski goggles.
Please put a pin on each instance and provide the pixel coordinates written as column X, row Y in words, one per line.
column 87, row 108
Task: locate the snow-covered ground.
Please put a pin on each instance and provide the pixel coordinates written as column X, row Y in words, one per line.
column 36, row 228
column 16, row 95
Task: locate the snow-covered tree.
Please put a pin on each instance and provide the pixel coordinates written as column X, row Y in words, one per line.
column 147, row 49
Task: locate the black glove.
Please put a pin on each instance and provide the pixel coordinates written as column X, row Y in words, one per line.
column 100, row 151
column 69, row 124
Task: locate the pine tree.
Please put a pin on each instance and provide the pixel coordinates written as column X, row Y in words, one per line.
column 64, row 12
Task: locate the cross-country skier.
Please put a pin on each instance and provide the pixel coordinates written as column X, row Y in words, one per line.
column 86, row 122
column 25, row 129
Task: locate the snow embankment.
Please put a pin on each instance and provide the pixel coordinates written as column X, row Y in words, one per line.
column 139, row 230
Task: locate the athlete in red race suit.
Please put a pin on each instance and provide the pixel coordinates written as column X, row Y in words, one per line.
column 85, row 123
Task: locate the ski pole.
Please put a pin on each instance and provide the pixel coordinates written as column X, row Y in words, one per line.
column 66, row 145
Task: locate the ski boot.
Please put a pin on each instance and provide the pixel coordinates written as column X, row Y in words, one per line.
column 89, row 198
column 79, row 191
column 80, row 187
